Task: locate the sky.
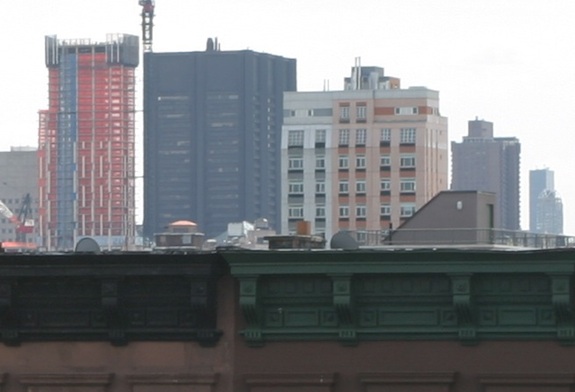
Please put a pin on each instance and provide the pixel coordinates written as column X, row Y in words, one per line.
column 510, row 62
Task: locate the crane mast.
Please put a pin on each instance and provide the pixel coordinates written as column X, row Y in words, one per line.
column 147, row 24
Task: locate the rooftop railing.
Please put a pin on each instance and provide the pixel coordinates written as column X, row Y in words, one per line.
column 461, row 237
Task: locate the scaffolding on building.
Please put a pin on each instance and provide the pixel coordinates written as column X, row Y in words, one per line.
column 87, row 143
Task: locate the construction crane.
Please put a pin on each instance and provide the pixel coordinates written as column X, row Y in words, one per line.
column 24, row 224
column 147, row 23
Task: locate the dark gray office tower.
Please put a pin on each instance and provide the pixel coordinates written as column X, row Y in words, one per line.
column 486, row 163
column 212, row 127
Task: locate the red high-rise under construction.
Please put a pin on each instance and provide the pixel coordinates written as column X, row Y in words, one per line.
column 86, row 143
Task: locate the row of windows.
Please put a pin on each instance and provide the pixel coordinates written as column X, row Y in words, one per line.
column 406, row 185
column 406, row 161
column 317, row 112
column 406, row 136
column 360, row 112
column 406, row 210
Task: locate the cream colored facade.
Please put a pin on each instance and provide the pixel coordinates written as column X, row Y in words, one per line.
column 361, row 159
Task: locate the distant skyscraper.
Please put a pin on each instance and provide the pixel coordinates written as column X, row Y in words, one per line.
column 549, row 213
column 545, row 206
column 86, row 143
column 212, row 126
column 362, row 158
column 486, row 163
column 539, row 180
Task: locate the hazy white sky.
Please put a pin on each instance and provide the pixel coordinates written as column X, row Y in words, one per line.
column 511, row 62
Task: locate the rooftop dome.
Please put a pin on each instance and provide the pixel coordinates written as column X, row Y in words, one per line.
column 183, row 223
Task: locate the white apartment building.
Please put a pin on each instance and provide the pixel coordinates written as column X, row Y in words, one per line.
column 365, row 158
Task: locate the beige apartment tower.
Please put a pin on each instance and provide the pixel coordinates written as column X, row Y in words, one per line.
column 362, row 159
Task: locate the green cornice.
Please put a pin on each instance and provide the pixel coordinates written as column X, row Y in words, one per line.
column 352, row 296
column 416, row 261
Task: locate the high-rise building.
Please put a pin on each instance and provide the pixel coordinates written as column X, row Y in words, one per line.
column 539, row 180
column 364, row 158
column 212, row 126
column 86, row 142
column 19, row 193
column 549, row 219
column 486, row 163
column 545, row 206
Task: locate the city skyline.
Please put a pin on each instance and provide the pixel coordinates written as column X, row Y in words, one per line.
column 486, row 60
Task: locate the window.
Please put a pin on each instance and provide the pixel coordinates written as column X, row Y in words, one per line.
column 343, row 187
column 320, row 162
column 360, row 137
column 360, row 162
column 407, row 210
column 343, row 211
column 344, row 112
column 385, row 210
column 385, row 135
column 343, row 137
column 320, row 187
column 343, row 162
column 295, row 139
column 295, row 188
column 320, row 211
column 407, row 185
column 320, row 136
column 385, row 161
column 361, row 112
column 360, row 211
column 295, row 163
column 407, row 135
column 295, row 212
column 385, row 185
column 360, row 186
column 407, row 161
column 405, row 110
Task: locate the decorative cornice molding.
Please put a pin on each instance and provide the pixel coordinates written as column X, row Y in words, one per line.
column 115, row 297
column 562, row 300
column 344, row 307
column 249, row 303
column 461, row 288
column 421, row 294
